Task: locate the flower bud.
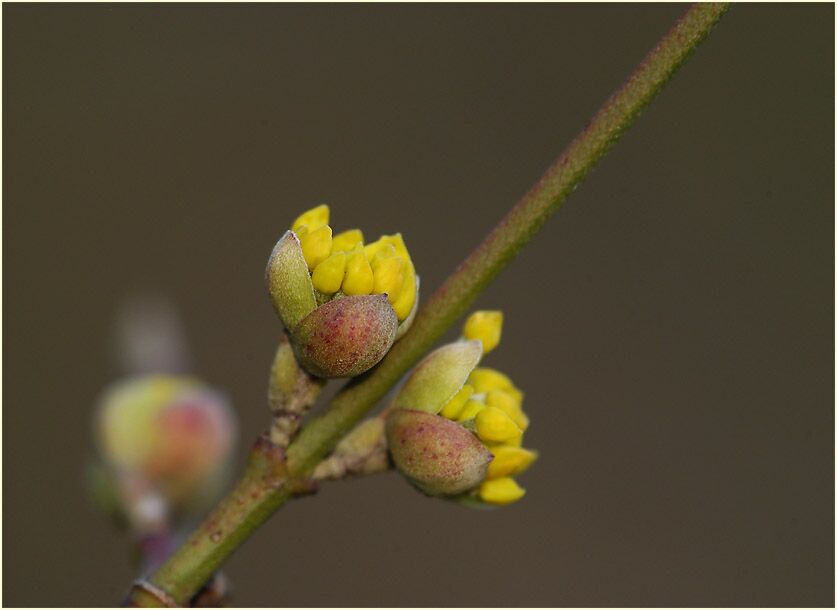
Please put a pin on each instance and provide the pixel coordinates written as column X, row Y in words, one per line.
column 316, row 245
column 494, row 426
column 439, row 377
column 485, row 326
column 343, row 303
column 509, row 461
column 504, row 490
column 288, row 281
column 345, row 337
column 347, row 240
column 359, row 277
column 455, row 405
column 328, row 277
column 170, row 435
column 312, row 219
column 439, row 456
column 469, row 411
column 457, row 430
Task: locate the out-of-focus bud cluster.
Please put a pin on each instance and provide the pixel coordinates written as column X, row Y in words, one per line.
column 457, row 429
column 164, row 447
column 343, row 302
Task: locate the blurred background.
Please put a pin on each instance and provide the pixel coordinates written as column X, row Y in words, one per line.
column 672, row 325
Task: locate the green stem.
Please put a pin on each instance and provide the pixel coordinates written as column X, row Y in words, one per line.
column 252, row 502
column 264, row 487
column 454, row 297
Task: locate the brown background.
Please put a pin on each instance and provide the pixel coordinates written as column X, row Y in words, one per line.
column 672, row 325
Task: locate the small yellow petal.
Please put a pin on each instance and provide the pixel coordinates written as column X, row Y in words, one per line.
column 398, row 243
column 328, row 275
column 501, row 491
column 316, row 245
column 347, row 240
column 510, row 404
column 380, row 253
column 314, row 219
column 389, row 277
column 403, row 305
column 484, row 379
column 471, row 410
column 515, row 442
column 455, row 404
column 509, row 461
column 486, row 326
column 516, row 393
column 494, row 426
column 373, row 248
column 359, row 276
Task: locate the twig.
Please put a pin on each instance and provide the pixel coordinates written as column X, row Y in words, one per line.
column 269, row 480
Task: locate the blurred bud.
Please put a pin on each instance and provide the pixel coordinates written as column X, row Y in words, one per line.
column 343, row 303
column 165, row 439
column 149, row 336
column 103, row 490
column 457, row 430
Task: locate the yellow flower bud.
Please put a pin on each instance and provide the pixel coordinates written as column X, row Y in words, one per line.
column 455, row 404
column 372, row 249
column 486, row 326
column 510, row 404
column 401, row 292
column 328, row 276
column 310, row 268
column 347, row 240
column 516, row 393
column 379, row 252
column 494, row 426
column 313, row 219
column 359, row 276
column 470, row 410
column 479, row 403
column 484, row 379
column 501, row 491
column 509, row 461
column 316, row 245
column 388, row 275
column 397, row 242
column 403, row 305
column 515, row 442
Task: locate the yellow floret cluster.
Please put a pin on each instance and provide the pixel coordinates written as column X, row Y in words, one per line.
column 342, row 263
column 491, row 405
